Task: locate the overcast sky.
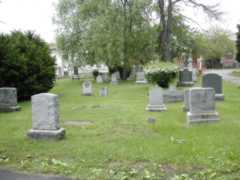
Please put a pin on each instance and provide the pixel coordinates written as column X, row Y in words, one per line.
column 37, row 15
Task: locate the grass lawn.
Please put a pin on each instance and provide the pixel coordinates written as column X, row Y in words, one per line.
column 121, row 144
column 236, row 73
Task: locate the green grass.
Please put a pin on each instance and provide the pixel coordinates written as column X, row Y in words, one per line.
column 121, row 144
column 236, row 73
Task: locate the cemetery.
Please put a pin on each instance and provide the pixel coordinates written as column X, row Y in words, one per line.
column 125, row 92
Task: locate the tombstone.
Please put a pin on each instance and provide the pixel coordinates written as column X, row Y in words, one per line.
column 202, row 106
column 87, row 88
column 156, row 100
column 194, row 74
column 185, row 78
column 140, row 78
column 186, row 101
column 214, row 81
column 133, row 73
column 75, row 73
column 8, row 99
column 99, row 79
column 173, row 95
column 118, row 75
column 45, row 117
column 105, row 77
column 114, row 79
column 103, row 92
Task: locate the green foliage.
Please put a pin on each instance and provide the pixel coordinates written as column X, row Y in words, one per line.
column 238, row 44
column 161, row 73
column 25, row 63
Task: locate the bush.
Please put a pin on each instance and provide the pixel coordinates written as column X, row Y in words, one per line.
column 161, row 73
column 25, row 63
column 95, row 73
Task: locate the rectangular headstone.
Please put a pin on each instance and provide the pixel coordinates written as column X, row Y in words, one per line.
column 114, row 78
column 214, row 81
column 99, row 79
column 103, row 92
column 8, row 99
column 45, row 117
column 140, row 78
column 202, row 105
column 186, row 101
column 87, row 88
column 156, row 102
column 185, row 78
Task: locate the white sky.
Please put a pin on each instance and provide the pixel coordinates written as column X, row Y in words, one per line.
column 37, row 15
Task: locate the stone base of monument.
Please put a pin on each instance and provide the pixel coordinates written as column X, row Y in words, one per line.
column 202, row 117
column 185, row 109
column 156, row 108
column 219, row 97
column 46, row 134
column 10, row 109
column 185, row 84
column 75, row 77
column 141, row 82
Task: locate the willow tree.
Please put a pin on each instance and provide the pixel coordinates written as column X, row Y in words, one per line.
column 167, row 10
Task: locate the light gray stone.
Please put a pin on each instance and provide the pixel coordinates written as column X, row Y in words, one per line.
column 103, row 92
column 87, row 88
column 185, row 78
column 173, row 95
column 186, row 100
column 8, row 99
column 202, row 106
column 105, row 77
column 99, row 79
column 194, row 74
column 214, row 81
column 45, row 117
column 140, row 78
column 114, row 79
column 156, row 100
column 118, row 75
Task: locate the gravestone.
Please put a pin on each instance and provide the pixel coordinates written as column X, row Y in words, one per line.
column 75, row 73
column 202, row 106
column 99, row 79
column 185, row 78
column 186, row 101
column 194, row 74
column 45, row 117
column 156, row 100
column 118, row 75
column 114, row 79
column 105, row 77
column 8, row 99
column 133, row 73
column 103, row 92
column 87, row 88
column 214, row 81
column 173, row 95
column 140, row 78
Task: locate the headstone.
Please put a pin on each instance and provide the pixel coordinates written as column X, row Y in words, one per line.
column 103, row 92
column 118, row 75
column 45, row 117
column 214, row 81
column 156, row 100
column 87, row 88
column 75, row 73
column 186, row 101
column 201, row 106
column 173, row 95
column 140, row 78
column 99, row 79
column 151, row 120
column 133, row 73
column 105, row 77
column 194, row 74
column 8, row 99
column 185, row 78
column 114, row 79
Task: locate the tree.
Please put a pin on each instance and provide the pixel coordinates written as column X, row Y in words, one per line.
column 238, row 44
column 167, row 10
column 25, row 63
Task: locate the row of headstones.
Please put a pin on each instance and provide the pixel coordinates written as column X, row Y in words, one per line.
column 87, row 89
column 198, row 102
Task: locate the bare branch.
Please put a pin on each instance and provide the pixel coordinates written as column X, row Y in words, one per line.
column 211, row 10
column 176, row 1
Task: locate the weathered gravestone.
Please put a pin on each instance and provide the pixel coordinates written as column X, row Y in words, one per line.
column 186, row 101
column 99, row 79
column 105, row 77
column 140, row 78
column 194, row 74
column 118, row 75
column 214, row 81
column 45, row 117
column 103, row 91
column 8, row 99
column 75, row 73
column 87, row 88
column 201, row 106
column 114, row 79
column 156, row 100
column 173, row 95
column 185, row 78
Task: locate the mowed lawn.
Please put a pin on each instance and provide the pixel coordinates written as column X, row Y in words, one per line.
column 120, row 143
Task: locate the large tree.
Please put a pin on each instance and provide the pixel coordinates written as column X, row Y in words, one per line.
column 167, row 10
column 238, row 44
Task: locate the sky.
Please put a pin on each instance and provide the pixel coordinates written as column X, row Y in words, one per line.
column 36, row 15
